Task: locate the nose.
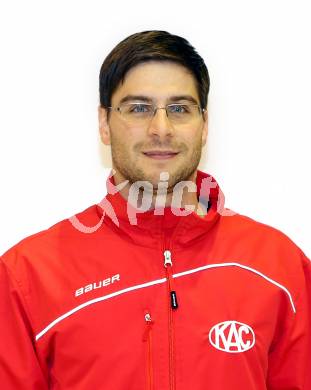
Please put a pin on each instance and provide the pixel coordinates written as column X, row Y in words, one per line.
column 160, row 124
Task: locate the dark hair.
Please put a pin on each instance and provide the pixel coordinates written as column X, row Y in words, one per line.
column 146, row 46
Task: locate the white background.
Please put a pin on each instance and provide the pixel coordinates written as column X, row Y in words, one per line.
column 258, row 55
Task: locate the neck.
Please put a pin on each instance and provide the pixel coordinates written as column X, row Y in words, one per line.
column 183, row 198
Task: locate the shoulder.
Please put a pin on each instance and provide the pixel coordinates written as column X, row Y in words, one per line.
column 253, row 230
column 263, row 245
column 38, row 246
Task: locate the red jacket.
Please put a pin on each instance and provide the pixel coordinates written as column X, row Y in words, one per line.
column 219, row 302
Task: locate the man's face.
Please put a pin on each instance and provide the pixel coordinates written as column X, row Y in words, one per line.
column 158, row 81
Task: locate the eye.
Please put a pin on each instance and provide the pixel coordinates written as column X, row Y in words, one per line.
column 138, row 108
column 179, row 108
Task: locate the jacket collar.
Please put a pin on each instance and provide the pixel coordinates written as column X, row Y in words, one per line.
column 164, row 230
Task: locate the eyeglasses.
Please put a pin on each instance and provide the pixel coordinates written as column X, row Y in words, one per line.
column 140, row 114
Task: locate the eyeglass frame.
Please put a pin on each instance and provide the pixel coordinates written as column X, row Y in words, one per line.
column 155, row 108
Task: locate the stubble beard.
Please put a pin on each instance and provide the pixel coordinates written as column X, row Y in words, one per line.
column 134, row 173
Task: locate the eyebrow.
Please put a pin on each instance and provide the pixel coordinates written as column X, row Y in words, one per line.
column 147, row 99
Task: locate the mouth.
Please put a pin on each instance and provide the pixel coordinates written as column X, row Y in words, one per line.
column 160, row 154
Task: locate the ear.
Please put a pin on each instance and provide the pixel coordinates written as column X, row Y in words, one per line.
column 205, row 128
column 104, row 128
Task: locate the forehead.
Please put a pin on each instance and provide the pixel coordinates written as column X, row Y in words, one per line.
column 159, row 81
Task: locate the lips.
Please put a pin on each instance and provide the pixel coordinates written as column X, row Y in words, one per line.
column 160, row 154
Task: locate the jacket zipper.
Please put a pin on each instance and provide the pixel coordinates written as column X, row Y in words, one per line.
column 168, row 265
column 173, row 305
column 147, row 339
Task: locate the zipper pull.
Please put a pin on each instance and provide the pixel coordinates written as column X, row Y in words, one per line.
column 167, row 258
column 174, row 302
column 149, row 323
column 168, row 265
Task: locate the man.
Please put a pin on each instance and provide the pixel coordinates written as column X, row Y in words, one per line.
column 158, row 286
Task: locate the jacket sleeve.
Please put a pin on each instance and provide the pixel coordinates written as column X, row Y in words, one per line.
column 19, row 366
column 289, row 365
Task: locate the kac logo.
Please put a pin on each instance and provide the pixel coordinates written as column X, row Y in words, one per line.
column 232, row 336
